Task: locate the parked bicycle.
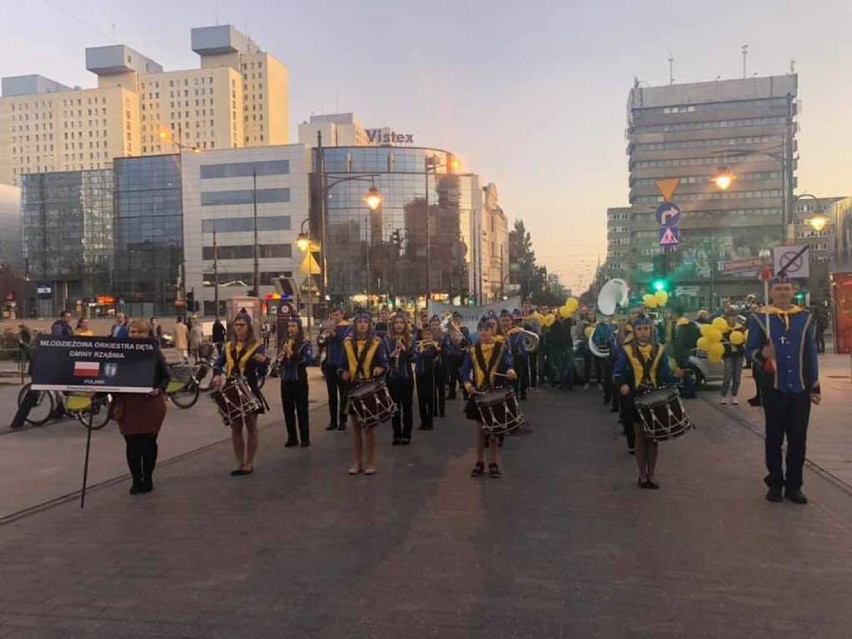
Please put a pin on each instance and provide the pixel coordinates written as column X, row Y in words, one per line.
column 77, row 405
column 183, row 388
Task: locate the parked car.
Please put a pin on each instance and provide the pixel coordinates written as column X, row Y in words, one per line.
column 704, row 370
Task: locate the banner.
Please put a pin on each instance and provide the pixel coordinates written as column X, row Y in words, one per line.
column 472, row 314
column 96, row 364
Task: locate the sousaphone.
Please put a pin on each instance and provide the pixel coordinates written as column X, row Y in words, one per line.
column 614, row 293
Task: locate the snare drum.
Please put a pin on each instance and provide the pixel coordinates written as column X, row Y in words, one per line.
column 370, row 403
column 236, row 401
column 663, row 415
column 499, row 411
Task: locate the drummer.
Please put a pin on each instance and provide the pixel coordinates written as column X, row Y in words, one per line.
column 364, row 359
column 480, row 368
column 642, row 366
column 243, row 356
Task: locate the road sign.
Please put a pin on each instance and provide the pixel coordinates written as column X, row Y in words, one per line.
column 669, row 236
column 794, row 260
column 667, row 187
column 667, row 214
column 742, row 266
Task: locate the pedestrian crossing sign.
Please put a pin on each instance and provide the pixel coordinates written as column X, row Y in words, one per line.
column 669, row 236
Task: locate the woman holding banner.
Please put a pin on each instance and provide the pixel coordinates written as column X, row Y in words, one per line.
column 140, row 417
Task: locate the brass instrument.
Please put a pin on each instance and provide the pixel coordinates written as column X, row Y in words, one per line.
column 530, row 339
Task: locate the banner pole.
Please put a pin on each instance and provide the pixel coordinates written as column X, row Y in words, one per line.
column 86, row 462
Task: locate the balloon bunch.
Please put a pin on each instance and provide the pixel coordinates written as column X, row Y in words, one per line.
column 711, row 339
column 653, row 300
column 566, row 311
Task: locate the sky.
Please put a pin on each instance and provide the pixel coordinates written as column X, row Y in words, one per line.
column 531, row 95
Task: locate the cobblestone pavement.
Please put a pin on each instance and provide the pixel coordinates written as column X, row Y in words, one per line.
column 564, row 545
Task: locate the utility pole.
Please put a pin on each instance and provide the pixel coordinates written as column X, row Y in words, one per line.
column 745, row 59
column 254, row 217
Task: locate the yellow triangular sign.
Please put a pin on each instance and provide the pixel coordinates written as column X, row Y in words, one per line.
column 309, row 266
column 667, row 187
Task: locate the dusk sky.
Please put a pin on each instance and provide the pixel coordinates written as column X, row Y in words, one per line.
column 531, row 95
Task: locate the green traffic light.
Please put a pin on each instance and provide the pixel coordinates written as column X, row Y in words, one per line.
column 659, row 285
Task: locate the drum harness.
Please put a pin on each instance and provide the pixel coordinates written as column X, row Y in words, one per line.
column 488, row 369
column 238, row 363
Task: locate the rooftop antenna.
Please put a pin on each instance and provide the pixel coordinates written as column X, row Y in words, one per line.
column 671, row 68
column 745, row 60
column 792, row 67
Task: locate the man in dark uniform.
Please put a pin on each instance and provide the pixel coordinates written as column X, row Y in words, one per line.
column 782, row 344
column 337, row 389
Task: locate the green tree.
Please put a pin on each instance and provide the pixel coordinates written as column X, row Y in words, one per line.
column 532, row 279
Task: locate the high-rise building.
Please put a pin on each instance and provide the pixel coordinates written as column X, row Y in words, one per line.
column 690, row 132
column 11, row 251
column 238, row 97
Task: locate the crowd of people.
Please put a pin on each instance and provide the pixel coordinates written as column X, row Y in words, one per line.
column 439, row 360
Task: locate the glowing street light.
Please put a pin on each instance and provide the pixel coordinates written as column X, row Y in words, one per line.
column 303, row 242
column 818, row 222
column 373, row 198
column 724, row 178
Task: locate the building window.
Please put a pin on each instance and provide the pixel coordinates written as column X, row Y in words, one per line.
column 245, row 169
column 246, row 251
column 244, row 196
column 246, row 224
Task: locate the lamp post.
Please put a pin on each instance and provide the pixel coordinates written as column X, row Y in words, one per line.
column 373, row 199
column 303, row 243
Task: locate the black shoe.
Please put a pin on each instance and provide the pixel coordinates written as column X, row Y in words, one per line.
column 406, row 441
column 396, row 441
column 331, row 426
column 341, row 427
column 775, row 495
column 425, row 427
column 305, row 444
column 754, row 401
column 796, row 496
column 147, row 485
column 137, row 487
column 290, row 443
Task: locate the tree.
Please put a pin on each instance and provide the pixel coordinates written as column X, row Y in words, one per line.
column 534, row 281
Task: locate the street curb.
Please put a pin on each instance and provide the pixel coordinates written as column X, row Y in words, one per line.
column 819, row 470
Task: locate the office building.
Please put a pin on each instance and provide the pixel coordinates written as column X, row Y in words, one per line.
column 337, row 129
column 494, row 243
column 11, row 249
column 238, row 97
column 67, row 222
column 690, row 132
column 223, row 192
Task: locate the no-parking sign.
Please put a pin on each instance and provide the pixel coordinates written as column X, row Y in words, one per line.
column 795, row 261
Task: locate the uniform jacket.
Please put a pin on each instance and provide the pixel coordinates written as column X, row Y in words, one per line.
column 481, row 364
column 334, row 343
column 642, row 365
column 352, row 351
column 399, row 367
column 295, row 367
column 792, row 333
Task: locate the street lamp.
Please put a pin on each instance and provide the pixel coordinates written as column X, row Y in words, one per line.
column 303, row 243
column 817, row 222
column 373, row 198
column 724, row 178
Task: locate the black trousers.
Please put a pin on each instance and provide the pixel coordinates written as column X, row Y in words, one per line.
column 820, row 340
column 787, row 415
column 294, row 400
column 402, row 391
column 522, row 368
column 337, row 393
column 27, row 404
column 440, row 393
column 141, row 456
column 603, row 365
column 454, row 364
column 532, row 361
column 426, row 398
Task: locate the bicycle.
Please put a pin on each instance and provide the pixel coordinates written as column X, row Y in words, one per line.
column 182, row 389
column 74, row 404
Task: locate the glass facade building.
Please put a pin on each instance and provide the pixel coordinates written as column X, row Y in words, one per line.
column 148, row 234
column 428, row 218
column 68, row 235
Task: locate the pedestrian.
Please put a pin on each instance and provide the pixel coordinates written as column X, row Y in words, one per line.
column 600, row 343
column 82, row 329
column 685, row 335
column 140, row 416
column 733, row 358
column 243, row 356
column 25, row 339
column 219, row 335
column 561, row 345
column 642, row 366
column 196, row 337
column 426, row 355
column 182, row 340
column 515, row 343
column 156, row 331
column 363, row 358
column 383, row 324
column 482, row 363
column 295, row 357
column 120, row 328
column 458, row 339
column 441, row 341
column 821, row 323
column 338, row 329
column 62, row 326
column 581, row 339
column 782, row 344
column 400, row 347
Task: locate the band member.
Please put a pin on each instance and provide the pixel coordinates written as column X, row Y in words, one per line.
column 458, row 340
column 482, row 363
column 295, row 356
column 400, row 348
column 531, row 321
column 642, row 366
column 426, row 357
column 440, row 340
column 334, row 354
column 685, row 335
column 383, row 324
column 602, row 339
column 515, row 344
column 782, row 343
column 363, row 359
column 243, row 356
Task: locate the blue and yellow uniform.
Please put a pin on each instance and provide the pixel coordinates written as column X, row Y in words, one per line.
column 788, row 382
column 294, row 390
column 334, row 385
column 480, row 367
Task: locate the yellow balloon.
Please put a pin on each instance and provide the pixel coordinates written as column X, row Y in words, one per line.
column 565, row 312
column 572, row 303
column 662, row 297
column 721, row 325
column 737, row 338
column 714, row 335
column 589, row 331
column 649, row 300
column 705, row 329
column 716, row 350
column 714, row 359
column 549, row 319
column 703, row 344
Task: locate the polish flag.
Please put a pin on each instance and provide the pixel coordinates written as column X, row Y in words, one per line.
column 87, row 369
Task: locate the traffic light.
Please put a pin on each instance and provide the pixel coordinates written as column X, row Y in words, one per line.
column 660, row 284
column 660, row 275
